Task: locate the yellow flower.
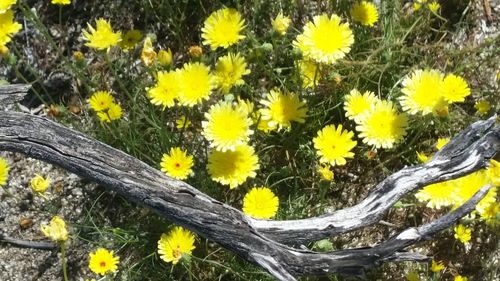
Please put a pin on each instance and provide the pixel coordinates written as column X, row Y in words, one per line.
column 229, row 71
column 282, row 108
column 196, row 84
column 56, row 230
column 8, row 27
column 101, row 100
column 245, row 106
column 222, row 28
column 437, row 195
column 78, row 56
column 130, row 39
column 421, row 92
column 325, row 39
column 166, row 89
column 6, row 4
column 102, row 37
column 462, row 233
column 365, row 13
column 4, row 171
column 491, row 214
column 422, row 157
column 103, row 261
column 309, row 73
column 148, row 54
column 437, row 266
column 382, row 126
column 61, row 2
column 356, row 103
column 175, row 244
column 114, row 112
column 493, row 172
column 182, row 122
column 454, row 88
column 3, row 50
column 434, row 7
column 334, row 145
column 195, row 51
column 177, row 164
column 260, row 203
column 460, row 278
column 281, row 23
column 467, row 186
column 165, row 57
column 226, row 126
column 482, row 106
column 416, row 6
column 233, row 167
column 39, row 184
column 441, row 142
column 325, row 172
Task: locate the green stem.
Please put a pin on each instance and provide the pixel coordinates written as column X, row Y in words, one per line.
column 63, row 258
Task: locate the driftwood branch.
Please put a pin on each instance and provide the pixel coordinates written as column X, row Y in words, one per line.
column 10, row 94
column 258, row 241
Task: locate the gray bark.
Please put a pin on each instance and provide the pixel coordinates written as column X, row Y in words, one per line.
column 258, row 241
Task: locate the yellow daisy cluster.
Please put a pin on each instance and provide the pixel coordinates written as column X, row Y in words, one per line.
column 433, row 6
column 174, row 245
column 8, row 27
column 365, row 13
column 260, row 203
column 103, row 261
column 430, row 91
column 104, row 104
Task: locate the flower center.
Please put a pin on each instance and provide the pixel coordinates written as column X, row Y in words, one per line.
column 102, row 264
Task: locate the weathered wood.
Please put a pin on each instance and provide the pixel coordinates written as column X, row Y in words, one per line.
column 10, row 94
column 40, row 245
column 254, row 240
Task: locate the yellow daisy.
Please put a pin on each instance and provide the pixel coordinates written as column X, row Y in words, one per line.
column 114, row 112
column 229, row 71
column 165, row 57
column 223, row 28
column 61, row 2
column 434, row 7
column 334, row 145
column 103, row 261
column 101, row 100
column 365, row 13
column 173, row 245
column 325, row 39
column 281, row 23
column 309, row 73
column 493, row 172
column 482, row 106
column 4, row 171
column 437, row 266
column 462, row 233
column 437, row 195
column 421, row 92
column 130, row 39
column 422, row 157
column 55, row 230
column 454, row 88
column 182, row 122
column 6, row 4
column 233, row 167
column 177, row 164
column 441, row 142
column 102, row 37
column 467, row 186
column 282, row 108
column 491, row 214
column 356, row 103
column 166, row 90
column 39, row 184
column 382, row 126
column 260, row 203
column 196, row 84
column 460, row 278
column 8, row 27
column 226, row 126
column 325, row 172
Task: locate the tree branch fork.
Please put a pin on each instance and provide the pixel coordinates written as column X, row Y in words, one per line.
column 262, row 242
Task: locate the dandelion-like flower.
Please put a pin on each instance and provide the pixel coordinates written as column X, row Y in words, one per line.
column 441, row 142
column 166, row 90
column 165, row 57
column 61, row 2
column 175, row 244
column 260, row 203
column 223, row 28
column 55, row 230
column 421, row 92
column 437, row 266
column 325, row 39
column 229, row 71
column 196, row 84
column 5, row 5
column 177, row 164
column 103, row 261
column 491, row 214
column 468, row 185
column 182, row 122
column 365, row 13
column 226, row 126
column 281, row 23
column 101, row 100
column 333, row 145
column 462, row 233
column 309, row 73
column 482, row 106
column 437, row 195
column 233, row 167
column 148, row 53
column 460, row 278
column 422, row 157
column 493, row 172
column 4, row 171
column 325, row 172
column 382, row 126
column 114, row 112
column 8, row 27
column 454, row 88
column 39, row 184
column 130, row 39
column 434, row 7
column 356, row 103
column 283, row 108
column 102, row 37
